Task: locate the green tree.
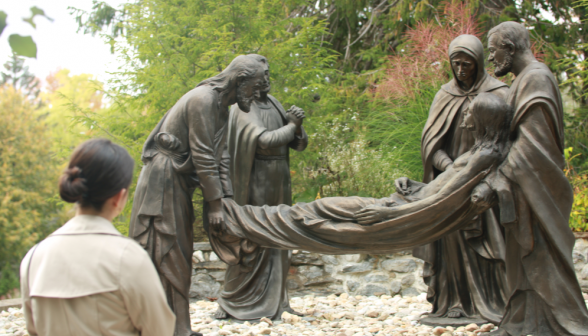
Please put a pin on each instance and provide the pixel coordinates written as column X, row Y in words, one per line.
column 67, row 102
column 18, row 75
column 28, row 179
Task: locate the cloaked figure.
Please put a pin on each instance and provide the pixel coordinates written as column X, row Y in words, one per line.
column 187, row 149
column 259, row 144
column 465, row 269
column 545, row 297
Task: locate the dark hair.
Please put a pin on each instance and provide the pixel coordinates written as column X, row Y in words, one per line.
column 98, row 169
column 492, row 117
column 243, row 66
column 512, row 33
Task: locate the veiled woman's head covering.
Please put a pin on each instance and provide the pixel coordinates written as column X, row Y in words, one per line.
column 471, row 46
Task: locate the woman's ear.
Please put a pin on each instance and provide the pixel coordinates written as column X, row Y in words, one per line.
column 120, row 198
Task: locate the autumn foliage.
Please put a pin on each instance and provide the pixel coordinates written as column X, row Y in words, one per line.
column 423, row 61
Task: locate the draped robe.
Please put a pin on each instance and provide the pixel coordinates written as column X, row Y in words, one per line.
column 465, row 269
column 187, row 149
column 545, row 297
column 260, row 176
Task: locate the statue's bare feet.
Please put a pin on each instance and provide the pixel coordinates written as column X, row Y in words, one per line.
column 293, row 312
column 454, row 314
column 220, row 314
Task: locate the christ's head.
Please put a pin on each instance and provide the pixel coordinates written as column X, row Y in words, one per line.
column 241, row 82
column 489, row 117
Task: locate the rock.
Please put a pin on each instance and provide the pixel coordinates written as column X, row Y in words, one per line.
column 584, row 273
column 213, row 257
column 265, row 331
column 326, row 279
column 395, row 287
column 214, row 265
column 383, row 316
column 224, row 332
column 310, row 272
column 204, row 286
column 472, row 327
column 578, row 256
column 408, row 280
column 410, row 291
column 352, row 285
column 202, row 247
column 486, row 327
column 218, row 275
column 439, row 330
column 357, row 268
column 399, row 265
column 266, row 320
column 372, row 313
column 584, row 285
column 198, row 257
column 292, row 284
column 354, row 257
column 290, row 318
column 377, row 278
column 311, row 259
column 330, row 259
column 374, row 289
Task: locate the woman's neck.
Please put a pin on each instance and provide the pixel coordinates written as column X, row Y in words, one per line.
column 91, row 211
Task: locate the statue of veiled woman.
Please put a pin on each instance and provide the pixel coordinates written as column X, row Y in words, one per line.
column 465, row 269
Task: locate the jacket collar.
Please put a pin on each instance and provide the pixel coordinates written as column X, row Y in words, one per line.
column 87, row 224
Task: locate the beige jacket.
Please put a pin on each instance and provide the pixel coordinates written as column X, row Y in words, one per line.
column 88, row 279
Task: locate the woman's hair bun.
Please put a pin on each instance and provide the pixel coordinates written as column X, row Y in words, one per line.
column 72, row 186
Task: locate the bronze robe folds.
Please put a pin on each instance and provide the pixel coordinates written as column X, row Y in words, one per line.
column 260, row 176
column 185, row 150
column 465, row 269
column 545, row 297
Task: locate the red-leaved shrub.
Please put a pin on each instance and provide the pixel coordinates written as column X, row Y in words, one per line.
column 423, row 59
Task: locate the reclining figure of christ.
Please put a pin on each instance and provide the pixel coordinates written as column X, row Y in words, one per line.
column 416, row 214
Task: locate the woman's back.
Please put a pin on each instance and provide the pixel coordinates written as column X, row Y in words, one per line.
column 88, row 279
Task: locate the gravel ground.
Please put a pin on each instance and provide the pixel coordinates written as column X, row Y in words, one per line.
column 342, row 315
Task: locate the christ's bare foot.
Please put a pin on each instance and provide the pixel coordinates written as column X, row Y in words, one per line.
column 220, row 314
column 454, row 314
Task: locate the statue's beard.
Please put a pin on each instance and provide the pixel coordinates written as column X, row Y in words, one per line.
column 243, row 102
column 505, row 67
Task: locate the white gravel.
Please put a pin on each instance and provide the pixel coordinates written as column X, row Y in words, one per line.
column 342, row 315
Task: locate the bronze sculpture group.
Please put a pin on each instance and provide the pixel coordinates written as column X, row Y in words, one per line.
column 490, row 219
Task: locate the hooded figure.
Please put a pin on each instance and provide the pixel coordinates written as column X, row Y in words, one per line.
column 259, row 145
column 465, row 269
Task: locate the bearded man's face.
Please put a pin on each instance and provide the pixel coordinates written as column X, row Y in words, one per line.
column 499, row 56
column 249, row 90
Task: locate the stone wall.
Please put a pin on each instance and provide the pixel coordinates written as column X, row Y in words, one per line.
column 357, row 274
